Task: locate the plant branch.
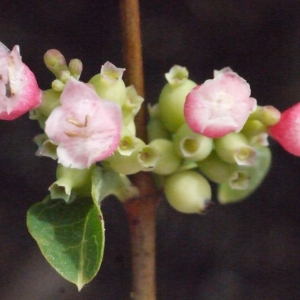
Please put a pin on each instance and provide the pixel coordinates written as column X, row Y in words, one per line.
column 140, row 211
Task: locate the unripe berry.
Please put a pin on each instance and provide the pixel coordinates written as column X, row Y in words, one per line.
column 167, row 160
column 71, row 182
column 216, row 169
column 233, row 190
column 190, row 145
column 234, row 148
column 126, row 164
column 109, row 84
column 187, row 192
column 172, row 98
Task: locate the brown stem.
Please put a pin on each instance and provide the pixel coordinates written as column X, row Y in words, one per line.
column 140, row 211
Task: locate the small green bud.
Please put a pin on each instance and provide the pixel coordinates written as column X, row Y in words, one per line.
column 239, row 180
column 234, row 148
column 148, row 157
column 190, row 145
column 216, row 169
column 75, row 67
column 109, row 84
column 250, row 178
column 253, row 127
column 187, row 192
column 267, row 115
column 57, row 85
column 131, row 105
column 71, row 183
column 162, row 154
column 126, row 164
column 128, row 143
column 270, row 115
column 55, row 62
column 172, row 97
column 64, row 76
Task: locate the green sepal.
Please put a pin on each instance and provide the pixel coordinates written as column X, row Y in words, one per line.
column 107, row 182
column 256, row 174
column 70, row 236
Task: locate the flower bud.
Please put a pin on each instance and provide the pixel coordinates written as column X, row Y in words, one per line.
column 239, row 180
column 57, row 85
column 126, row 164
column 132, row 104
column 109, row 84
column 75, row 68
column 187, row 192
column 253, row 127
column 128, row 143
column 216, row 169
column 248, row 180
column 190, row 145
column 234, row 148
column 71, row 183
column 172, row 97
column 55, row 62
column 267, row 115
column 160, row 157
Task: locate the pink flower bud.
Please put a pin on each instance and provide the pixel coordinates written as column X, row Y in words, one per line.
column 287, row 131
column 86, row 128
column 19, row 91
column 219, row 106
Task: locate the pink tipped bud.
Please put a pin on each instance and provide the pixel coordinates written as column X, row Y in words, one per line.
column 287, row 131
column 19, row 91
column 219, row 106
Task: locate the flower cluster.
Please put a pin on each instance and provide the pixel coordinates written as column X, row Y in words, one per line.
column 86, row 124
column 198, row 134
column 216, row 133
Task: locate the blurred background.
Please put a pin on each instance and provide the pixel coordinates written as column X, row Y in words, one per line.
column 249, row 250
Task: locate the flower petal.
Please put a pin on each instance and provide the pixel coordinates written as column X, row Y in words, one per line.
column 86, row 128
column 219, row 106
column 19, row 91
column 287, row 131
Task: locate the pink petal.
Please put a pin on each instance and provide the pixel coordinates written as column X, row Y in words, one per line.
column 19, row 91
column 85, row 128
column 287, row 131
column 219, row 106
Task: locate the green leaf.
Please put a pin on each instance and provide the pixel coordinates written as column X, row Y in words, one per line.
column 256, row 174
column 107, row 182
column 70, row 236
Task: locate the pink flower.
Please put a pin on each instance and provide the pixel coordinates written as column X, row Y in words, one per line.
column 19, row 91
column 220, row 105
column 287, row 131
column 86, row 128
